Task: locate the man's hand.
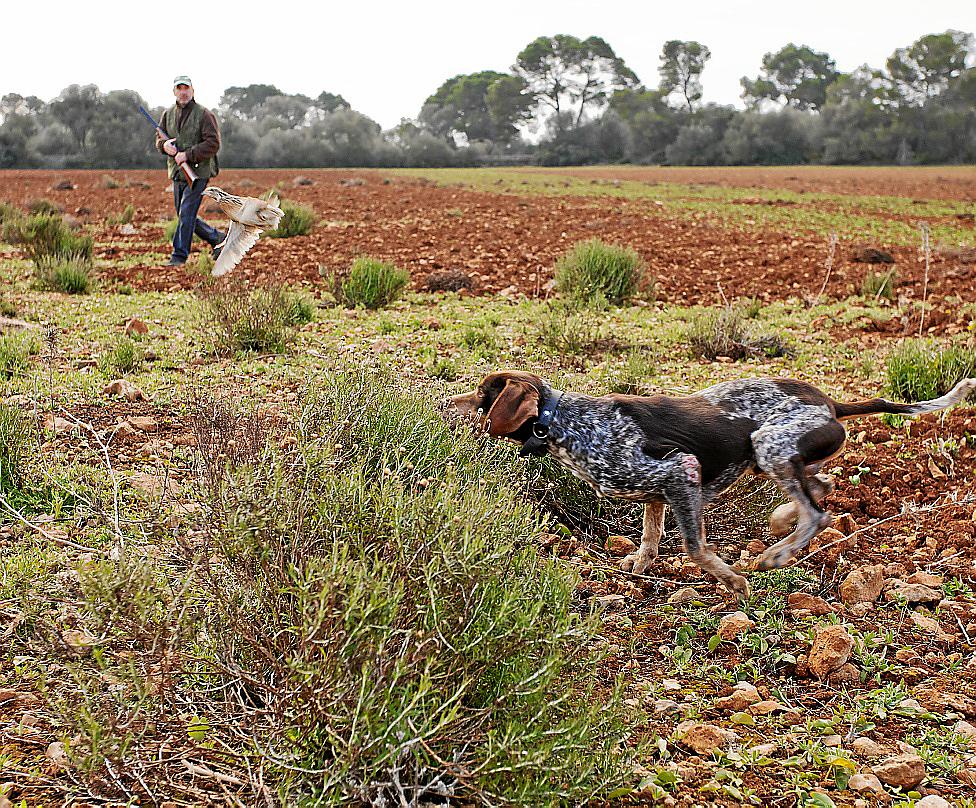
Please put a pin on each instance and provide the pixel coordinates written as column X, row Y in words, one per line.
column 180, row 158
column 170, row 147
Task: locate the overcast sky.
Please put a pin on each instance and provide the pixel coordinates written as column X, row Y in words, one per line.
column 385, row 58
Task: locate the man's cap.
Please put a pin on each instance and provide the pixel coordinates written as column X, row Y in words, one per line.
column 182, row 80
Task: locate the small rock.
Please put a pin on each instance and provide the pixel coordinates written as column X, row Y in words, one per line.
column 968, row 731
column 863, row 585
column 912, row 593
column 831, row 741
column 703, row 739
column 128, row 229
column 666, row 707
column 78, row 640
column 782, row 520
column 686, row 594
column 732, row 625
column 743, row 695
column 959, row 702
column 906, row 770
column 846, row 674
column 671, row 684
column 143, row 423
column 895, row 570
column 124, row 388
column 930, row 626
column 925, row 579
column 611, row 603
column 136, row 326
column 767, row 707
column 620, row 545
column 831, row 648
column 803, row 602
column 933, row 801
column 867, row 748
column 58, row 425
column 865, row 782
column 57, row 755
column 871, row 255
column 756, row 547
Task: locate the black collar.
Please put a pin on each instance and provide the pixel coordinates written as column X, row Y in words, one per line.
column 537, row 442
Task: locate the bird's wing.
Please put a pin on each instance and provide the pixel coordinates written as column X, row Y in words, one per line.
column 240, row 238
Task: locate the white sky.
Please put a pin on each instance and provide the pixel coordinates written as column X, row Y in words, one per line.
column 385, row 58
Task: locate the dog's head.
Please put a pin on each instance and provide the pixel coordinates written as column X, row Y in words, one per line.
column 505, row 404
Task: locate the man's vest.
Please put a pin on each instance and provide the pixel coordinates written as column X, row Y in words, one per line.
column 190, row 135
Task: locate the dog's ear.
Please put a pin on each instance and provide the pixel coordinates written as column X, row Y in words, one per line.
column 516, row 404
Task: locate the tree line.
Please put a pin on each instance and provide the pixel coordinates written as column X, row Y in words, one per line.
column 565, row 101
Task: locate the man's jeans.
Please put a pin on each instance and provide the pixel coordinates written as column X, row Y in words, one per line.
column 187, row 200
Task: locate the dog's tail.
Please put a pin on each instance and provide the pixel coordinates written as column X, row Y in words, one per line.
column 879, row 405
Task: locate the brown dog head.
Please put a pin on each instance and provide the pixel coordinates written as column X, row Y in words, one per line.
column 503, row 405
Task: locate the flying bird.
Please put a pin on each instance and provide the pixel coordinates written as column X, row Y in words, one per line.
column 249, row 217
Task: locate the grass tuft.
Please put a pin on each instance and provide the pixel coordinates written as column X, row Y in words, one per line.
column 297, row 221
column 919, row 370
column 262, row 320
column 68, row 275
column 371, row 283
column 14, row 449
column 593, row 269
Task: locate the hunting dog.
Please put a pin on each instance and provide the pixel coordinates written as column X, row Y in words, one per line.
column 683, row 451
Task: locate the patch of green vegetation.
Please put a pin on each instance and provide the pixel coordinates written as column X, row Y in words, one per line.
column 122, row 358
column 68, row 275
column 15, row 353
column 241, row 320
column 592, row 270
column 297, row 221
column 919, row 370
column 370, row 283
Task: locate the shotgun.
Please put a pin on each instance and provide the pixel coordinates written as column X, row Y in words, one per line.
column 185, row 167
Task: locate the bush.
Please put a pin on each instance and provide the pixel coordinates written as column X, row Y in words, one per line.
column 569, row 327
column 593, row 268
column 261, row 320
column 125, row 217
column 169, row 230
column 122, row 358
column 8, row 308
column 44, row 207
column 879, row 284
column 14, row 437
column 68, row 275
column 9, row 213
column 919, row 370
column 47, row 236
column 724, row 332
column 109, row 182
column 371, row 283
column 15, row 353
column 393, row 620
column 297, row 221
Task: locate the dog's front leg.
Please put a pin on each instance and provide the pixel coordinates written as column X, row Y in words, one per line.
column 641, row 561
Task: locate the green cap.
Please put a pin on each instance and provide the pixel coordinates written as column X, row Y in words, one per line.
column 182, row 80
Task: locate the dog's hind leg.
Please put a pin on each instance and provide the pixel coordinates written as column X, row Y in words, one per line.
column 640, row 561
column 787, row 459
column 685, row 499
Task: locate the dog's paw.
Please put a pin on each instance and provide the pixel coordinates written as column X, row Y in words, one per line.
column 774, row 558
column 637, row 563
column 737, row 584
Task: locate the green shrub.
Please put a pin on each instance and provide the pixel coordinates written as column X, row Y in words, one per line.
column 919, row 370
column 633, row 376
column 69, row 275
column 109, row 182
column 8, row 308
column 14, row 449
column 15, row 353
column 261, row 320
column 297, row 221
column 879, row 284
column 169, row 230
column 44, row 207
column 370, row 283
column 9, row 212
column 125, row 217
column 205, row 262
column 47, row 236
column 301, row 309
column 122, row 358
column 569, row 327
column 593, row 268
column 724, row 332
